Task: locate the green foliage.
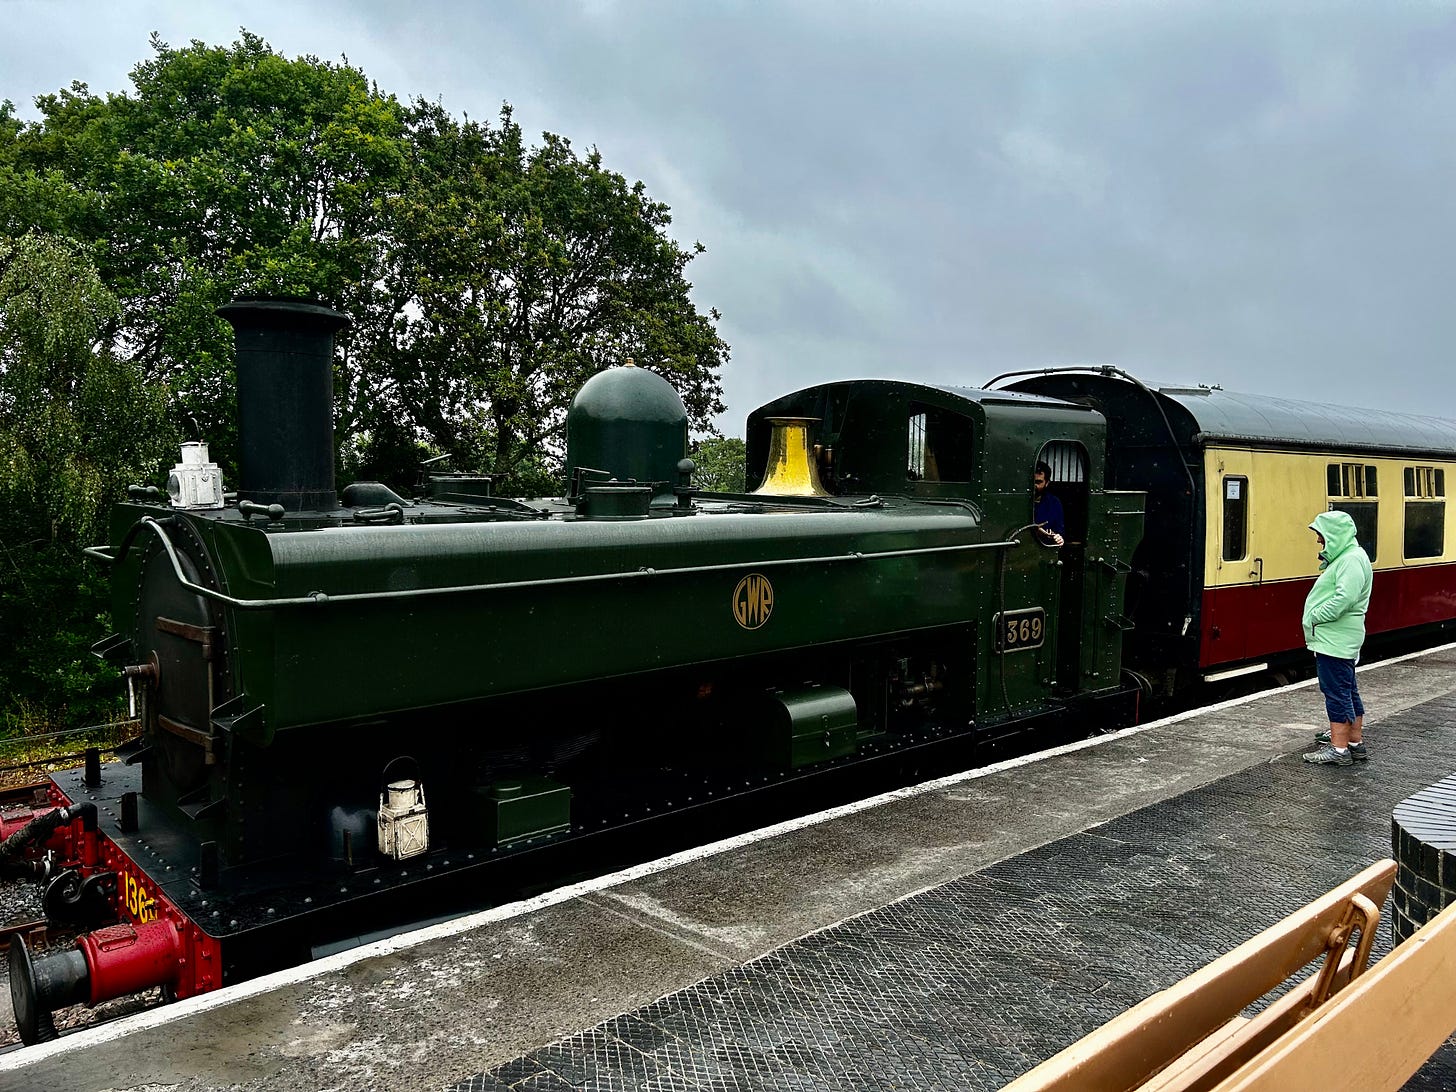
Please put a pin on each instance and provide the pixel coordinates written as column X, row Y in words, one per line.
column 75, row 421
column 530, row 270
column 487, row 279
column 230, row 171
column 52, row 608
column 76, row 424
column 721, row 464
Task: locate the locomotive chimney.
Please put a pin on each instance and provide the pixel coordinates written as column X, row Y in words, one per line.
column 285, row 382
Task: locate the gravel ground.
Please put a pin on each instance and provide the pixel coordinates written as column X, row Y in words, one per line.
column 20, row 901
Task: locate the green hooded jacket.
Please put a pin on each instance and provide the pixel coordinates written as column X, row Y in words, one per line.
column 1334, row 610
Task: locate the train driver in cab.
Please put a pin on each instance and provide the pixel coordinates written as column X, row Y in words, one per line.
column 1046, row 513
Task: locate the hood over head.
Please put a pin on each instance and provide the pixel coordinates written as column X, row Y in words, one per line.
column 1338, row 530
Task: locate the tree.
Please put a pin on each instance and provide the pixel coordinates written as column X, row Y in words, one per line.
column 230, row 171
column 721, row 464
column 76, row 425
column 486, row 279
column 530, row 270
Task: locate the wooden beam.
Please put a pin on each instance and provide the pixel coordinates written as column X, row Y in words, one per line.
column 1378, row 1033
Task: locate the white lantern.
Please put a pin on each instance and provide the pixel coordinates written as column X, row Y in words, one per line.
column 404, row 821
column 195, row 482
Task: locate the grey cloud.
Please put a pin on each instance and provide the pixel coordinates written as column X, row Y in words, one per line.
column 1252, row 194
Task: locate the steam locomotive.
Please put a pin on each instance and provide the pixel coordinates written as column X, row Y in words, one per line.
column 353, row 703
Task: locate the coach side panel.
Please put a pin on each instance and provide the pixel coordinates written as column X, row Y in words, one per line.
column 1261, row 558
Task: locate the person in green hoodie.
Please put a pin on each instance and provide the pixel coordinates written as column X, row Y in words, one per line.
column 1334, row 630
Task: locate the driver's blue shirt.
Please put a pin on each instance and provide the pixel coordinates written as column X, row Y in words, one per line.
column 1048, row 514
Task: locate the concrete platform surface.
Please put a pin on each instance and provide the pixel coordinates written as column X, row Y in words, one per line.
column 1005, row 912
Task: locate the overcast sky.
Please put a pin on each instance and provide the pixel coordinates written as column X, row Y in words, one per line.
column 1260, row 195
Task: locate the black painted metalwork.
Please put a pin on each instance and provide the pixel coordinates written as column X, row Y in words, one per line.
column 285, row 353
column 1423, row 842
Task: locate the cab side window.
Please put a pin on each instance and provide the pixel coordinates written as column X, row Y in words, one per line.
column 1067, row 461
column 940, row 445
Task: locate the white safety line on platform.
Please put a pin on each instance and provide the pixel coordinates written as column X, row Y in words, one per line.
column 177, row 1010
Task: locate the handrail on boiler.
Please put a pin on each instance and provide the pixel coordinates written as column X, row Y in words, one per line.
column 320, row 598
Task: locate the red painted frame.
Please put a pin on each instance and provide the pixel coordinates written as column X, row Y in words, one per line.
column 1255, row 621
column 138, row 902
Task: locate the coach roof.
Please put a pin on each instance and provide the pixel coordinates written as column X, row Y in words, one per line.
column 1221, row 415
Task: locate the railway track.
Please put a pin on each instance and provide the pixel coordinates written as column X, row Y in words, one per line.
column 19, row 906
column 35, row 933
column 22, row 796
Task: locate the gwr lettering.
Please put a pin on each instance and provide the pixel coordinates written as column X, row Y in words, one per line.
column 753, row 601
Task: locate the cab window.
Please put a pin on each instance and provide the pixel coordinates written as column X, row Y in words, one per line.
column 940, row 447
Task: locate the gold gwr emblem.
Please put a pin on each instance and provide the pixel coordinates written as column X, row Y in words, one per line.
column 753, row 601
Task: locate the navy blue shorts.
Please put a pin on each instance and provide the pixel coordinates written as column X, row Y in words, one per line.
column 1337, row 683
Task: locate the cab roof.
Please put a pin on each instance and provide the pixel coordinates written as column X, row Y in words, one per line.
column 977, row 395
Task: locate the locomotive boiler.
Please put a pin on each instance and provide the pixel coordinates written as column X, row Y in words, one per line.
column 352, row 701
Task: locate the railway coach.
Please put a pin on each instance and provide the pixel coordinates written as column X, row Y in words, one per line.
column 1232, row 481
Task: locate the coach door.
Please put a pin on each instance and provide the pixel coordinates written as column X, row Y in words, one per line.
column 1233, row 567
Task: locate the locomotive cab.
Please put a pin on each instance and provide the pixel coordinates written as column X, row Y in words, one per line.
column 1059, row 610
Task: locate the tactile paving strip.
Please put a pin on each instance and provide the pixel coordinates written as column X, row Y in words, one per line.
column 969, row 985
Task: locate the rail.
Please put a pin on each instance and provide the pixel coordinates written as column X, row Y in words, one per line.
column 319, row 598
column 36, row 933
column 1337, row 1029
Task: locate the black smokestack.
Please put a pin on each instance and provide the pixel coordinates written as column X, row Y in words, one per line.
column 285, row 401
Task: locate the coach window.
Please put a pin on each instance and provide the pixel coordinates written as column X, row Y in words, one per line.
column 1425, row 511
column 1235, row 518
column 940, row 445
column 1352, row 489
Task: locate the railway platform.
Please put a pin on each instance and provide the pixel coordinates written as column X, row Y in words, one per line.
column 951, row 935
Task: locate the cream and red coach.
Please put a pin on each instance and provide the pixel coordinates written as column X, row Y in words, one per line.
column 1232, row 481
